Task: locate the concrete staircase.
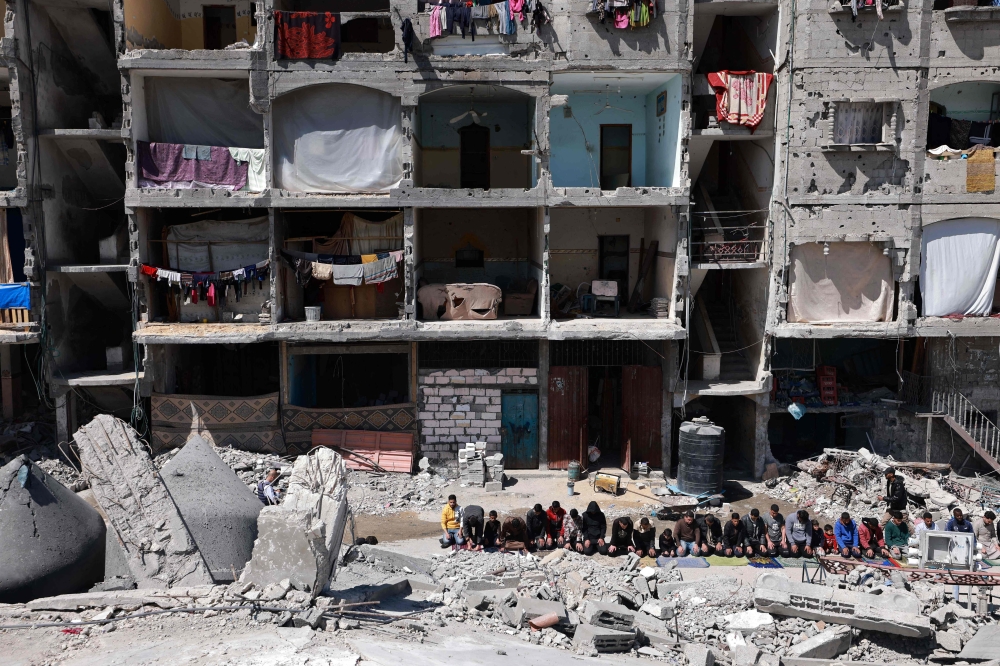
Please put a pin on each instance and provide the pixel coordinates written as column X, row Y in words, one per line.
column 734, row 364
column 981, row 434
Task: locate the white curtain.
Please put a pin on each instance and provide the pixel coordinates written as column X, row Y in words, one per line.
column 958, row 267
column 338, row 138
column 249, row 244
column 853, row 283
column 205, row 112
column 858, row 122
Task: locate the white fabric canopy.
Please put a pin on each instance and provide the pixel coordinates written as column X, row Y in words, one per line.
column 205, row 112
column 958, row 268
column 338, row 138
column 249, row 244
column 851, row 284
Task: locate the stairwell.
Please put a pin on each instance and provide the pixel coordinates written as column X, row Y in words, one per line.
column 734, row 364
column 974, row 427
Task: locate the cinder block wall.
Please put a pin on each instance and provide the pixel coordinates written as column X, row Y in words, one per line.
column 459, row 406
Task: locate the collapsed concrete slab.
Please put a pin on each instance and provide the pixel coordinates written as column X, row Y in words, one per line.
column 826, row 644
column 602, row 639
column 607, row 615
column 983, row 645
column 147, row 524
column 51, row 540
column 300, row 539
column 532, row 608
column 219, row 511
column 890, row 612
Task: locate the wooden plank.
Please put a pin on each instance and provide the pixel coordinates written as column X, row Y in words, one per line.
column 392, row 451
column 642, row 407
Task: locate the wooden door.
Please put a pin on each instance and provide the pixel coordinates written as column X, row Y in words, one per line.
column 642, row 406
column 568, row 391
column 519, row 430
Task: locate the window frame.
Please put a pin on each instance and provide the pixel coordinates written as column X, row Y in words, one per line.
column 890, row 125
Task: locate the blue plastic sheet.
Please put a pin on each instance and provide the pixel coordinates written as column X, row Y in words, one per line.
column 14, row 296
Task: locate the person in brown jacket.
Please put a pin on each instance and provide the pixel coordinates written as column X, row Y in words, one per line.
column 514, row 536
column 687, row 533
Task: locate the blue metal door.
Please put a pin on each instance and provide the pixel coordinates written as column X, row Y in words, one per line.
column 519, row 430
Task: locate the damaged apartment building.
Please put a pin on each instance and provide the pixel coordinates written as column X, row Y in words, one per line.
column 547, row 225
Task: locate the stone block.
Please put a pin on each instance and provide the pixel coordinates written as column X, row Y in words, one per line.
column 699, row 655
column 745, row 655
column 607, row 615
column 641, row 586
column 748, row 621
column 983, row 645
column 494, row 486
column 603, row 639
column 508, row 581
column 532, row 608
column 949, row 640
column 827, row 644
column 768, row 659
column 657, row 609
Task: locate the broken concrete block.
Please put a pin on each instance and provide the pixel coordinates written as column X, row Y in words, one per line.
column 641, row 586
column 949, row 640
column 609, row 616
column 158, row 545
column 532, row 608
column 554, row 556
column 397, row 560
column 746, row 655
column 493, row 486
column 631, row 562
column 479, row 600
column 892, row 612
column 768, row 659
column 218, row 509
column 602, row 639
column 983, row 645
column 825, row 645
column 51, row 541
column 699, row 655
column 657, row 609
column 649, row 573
column 748, row 621
column 512, row 615
column 312, row 618
column 506, row 581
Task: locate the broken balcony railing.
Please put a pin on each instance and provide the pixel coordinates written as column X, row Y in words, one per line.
column 728, row 245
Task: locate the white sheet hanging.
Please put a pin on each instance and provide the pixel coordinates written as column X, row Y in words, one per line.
column 958, row 267
column 206, row 112
column 256, row 181
column 249, row 244
column 337, row 138
column 851, row 284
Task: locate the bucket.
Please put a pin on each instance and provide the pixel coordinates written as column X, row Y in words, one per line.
column 569, row 488
column 313, row 312
column 574, row 470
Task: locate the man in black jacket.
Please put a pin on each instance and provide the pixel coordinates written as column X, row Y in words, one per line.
column 491, row 531
column 756, row 529
column 473, row 519
column 734, row 535
column 711, row 534
column 621, row 538
column 538, row 529
column 895, row 496
column 595, row 526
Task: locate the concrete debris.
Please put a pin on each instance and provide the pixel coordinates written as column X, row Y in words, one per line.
column 51, row 540
column 983, row 645
column 949, row 640
column 607, row 615
column 157, row 544
column 827, row 644
column 603, row 640
column 746, row 655
column 748, row 622
column 218, row 509
column 699, row 655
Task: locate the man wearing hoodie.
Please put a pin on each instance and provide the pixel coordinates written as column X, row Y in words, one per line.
column 538, row 529
column 621, row 538
column 846, row 532
column 556, row 515
column 595, row 526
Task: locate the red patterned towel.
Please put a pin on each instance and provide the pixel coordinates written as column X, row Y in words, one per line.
column 306, row 35
column 740, row 97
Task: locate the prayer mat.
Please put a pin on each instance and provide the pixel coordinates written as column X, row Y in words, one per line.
column 684, row 562
column 794, row 562
column 980, row 174
column 720, row 561
column 764, row 563
column 992, row 563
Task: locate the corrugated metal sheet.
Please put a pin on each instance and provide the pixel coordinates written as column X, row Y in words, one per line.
column 392, row 451
column 567, row 414
column 642, row 406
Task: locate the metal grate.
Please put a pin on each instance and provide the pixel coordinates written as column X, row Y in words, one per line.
column 605, row 352
column 483, row 354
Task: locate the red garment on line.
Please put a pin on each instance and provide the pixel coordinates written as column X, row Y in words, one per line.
column 306, row 35
column 740, row 97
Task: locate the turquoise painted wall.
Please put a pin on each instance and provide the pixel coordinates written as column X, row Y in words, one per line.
column 570, row 163
column 663, row 155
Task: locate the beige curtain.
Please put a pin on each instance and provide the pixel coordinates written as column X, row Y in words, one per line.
column 853, row 283
column 6, row 270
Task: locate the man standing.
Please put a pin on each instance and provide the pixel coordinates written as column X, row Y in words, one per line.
column 266, row 492
column 986, row 535
column 777, row 541
column 451, row 523
column 895, row 496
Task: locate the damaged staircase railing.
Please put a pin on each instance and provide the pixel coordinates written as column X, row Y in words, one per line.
column 971, row 424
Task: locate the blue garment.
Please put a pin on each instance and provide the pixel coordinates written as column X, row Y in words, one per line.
column 15, row 296
column 953, row 526
column 847, row 535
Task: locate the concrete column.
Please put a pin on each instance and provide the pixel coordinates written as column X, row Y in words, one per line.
column 543, row 403
column 762, row 447
column 409, row 286
column 667, row 408
column 65, row 416
column 7, row 382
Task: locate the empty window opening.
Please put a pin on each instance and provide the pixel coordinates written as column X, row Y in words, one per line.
column 474, row 142
column 616, row 156
column 220, row 26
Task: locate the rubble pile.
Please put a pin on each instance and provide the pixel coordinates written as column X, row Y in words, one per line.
column 383, row 494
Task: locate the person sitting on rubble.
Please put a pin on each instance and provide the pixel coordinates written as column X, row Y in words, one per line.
column 895, row 495
column 514, row 536
column 687, row 531
column 621, row 538
column 734, row 536
column 451, row 524
column 846, row 532
column 897, row 535
column 958, row 523
column 925, row 523
column 491, row 532
column 986, row 535
column 538, row 529
column 798, row 532
column 667, row 544
column 266, row 490
column 595, row 526
column 572, row 532
column 555, row 515
column 777, row 540
column 818, row 539
column 711, row 534
column 644, row 538
column 872, row 539
column 755, row 544
column 472, row 527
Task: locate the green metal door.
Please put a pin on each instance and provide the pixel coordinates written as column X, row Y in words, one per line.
column 519, row 430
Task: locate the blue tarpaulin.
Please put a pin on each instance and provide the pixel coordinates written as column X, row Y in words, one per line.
column 14, row 296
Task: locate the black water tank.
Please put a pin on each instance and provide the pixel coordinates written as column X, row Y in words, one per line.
column 700, row 452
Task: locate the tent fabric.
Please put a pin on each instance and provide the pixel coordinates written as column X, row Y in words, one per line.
column 357, row 235
column 254, row 157
column 337, row 138
column 207, row 112
column 247, row 244
column 852, row 284
column 958, row 267
column 15, row 296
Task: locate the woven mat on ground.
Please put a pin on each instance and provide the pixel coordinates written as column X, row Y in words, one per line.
column 720, row 561
column 684, row 562
column 980, row 172
column 764, row 563
column 794, row 562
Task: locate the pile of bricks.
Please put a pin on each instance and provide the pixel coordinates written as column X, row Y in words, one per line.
column 475, row 468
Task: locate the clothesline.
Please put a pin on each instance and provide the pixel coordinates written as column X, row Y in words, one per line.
column 211, row 287
column 344, row 270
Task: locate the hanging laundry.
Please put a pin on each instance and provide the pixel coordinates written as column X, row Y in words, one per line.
column 517, row 9
column 348, row 275
column 306, row 35
column 382, row 270
column 435, row 22
column 368, row 258
column 621, row 18
column 211, row 294
column 322, row 271
column 407, row 34
column 740, row 97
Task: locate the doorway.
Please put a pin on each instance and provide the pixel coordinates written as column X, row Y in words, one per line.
column 220, row 26
column 612, row 261
column 616, row 156
column 474, row 152
column 519, row 430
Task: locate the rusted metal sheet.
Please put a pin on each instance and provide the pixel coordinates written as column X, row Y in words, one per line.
column 568, row 389
column 642, row 406
column 367, row 450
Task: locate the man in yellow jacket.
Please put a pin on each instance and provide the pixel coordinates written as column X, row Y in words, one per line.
column 451, row 523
